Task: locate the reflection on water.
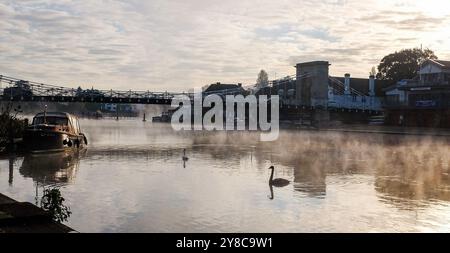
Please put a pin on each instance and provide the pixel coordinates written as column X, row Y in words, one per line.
column 405, row 186
column 51, row 169
column 133, row 178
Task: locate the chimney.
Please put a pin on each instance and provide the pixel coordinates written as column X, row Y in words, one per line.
column 240, row 84
column 347, row 84
column 372, row 85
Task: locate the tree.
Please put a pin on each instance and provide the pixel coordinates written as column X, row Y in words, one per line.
column 403, row 64
column 263, row 79
column 373, row 71
column 11, row 126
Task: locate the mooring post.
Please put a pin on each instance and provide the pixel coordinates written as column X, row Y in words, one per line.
column 11, row 170
column 11, row 133
column 117, row 112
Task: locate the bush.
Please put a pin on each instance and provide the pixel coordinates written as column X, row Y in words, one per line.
column 52, row 201
column 10, row 125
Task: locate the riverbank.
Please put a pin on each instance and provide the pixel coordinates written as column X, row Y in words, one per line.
column 389, row 130
column 398, row 181
column 24, row 217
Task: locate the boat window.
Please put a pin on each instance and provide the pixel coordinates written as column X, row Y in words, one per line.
column 71, row 124
column 78, row 127
column 50, row 120
column 74, row 124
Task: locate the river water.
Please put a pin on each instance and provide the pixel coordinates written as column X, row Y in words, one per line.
column 132, row 178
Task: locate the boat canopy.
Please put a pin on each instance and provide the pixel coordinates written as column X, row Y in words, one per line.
column 58, row 118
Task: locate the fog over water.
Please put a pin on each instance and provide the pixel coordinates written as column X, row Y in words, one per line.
column 132, row 179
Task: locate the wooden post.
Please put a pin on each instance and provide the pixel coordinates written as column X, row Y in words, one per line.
column 117, row 112
column 11, row 170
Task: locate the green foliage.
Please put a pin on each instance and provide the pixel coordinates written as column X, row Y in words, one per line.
column 52, row 201
column 373, row 71
column 92, row 107
column 10, row 125
column 403, row 64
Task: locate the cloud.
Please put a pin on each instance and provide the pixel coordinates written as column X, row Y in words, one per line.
column 414, row 21
column 177, row 45
column 321, row 34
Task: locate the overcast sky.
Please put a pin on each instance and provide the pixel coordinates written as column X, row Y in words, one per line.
column 176, row 45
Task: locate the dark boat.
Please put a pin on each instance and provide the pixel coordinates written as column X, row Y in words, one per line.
column 53, row 132
column 165, row 116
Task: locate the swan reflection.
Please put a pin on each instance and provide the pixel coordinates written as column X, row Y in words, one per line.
column 271, row 192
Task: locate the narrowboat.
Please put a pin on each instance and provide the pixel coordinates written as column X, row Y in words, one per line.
column 53, row 132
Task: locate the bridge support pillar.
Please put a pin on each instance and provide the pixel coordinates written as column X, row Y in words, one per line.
column 321, row 118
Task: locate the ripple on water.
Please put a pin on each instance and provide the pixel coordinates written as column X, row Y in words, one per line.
column 132, row 179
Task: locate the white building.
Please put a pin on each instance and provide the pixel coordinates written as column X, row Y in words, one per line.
column 433, row 78
column 435, row 72
column 109, row 107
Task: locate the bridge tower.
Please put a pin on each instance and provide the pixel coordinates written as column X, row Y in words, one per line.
column 312, row 89
column 312, row 83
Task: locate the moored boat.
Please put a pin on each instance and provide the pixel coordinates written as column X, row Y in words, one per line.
column 54, row 131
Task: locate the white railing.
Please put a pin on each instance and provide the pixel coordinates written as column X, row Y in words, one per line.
column 338, row 83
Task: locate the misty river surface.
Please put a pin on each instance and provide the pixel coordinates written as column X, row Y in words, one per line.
column 132, row 178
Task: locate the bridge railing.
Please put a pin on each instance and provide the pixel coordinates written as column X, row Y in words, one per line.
column 339, row 87
column 21, row 88
column 46, row 90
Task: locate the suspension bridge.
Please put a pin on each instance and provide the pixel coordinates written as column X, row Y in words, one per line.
column 13, row 89
column 18, row 90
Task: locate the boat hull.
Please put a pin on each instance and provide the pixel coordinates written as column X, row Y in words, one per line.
column 52, row 141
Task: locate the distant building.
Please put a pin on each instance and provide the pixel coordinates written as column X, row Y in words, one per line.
column 312, row 83
column 224, row 89
column 364, row 86
column 109, row 107
column 424, row 100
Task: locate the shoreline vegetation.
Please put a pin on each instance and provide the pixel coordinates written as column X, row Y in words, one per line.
column 11, row 127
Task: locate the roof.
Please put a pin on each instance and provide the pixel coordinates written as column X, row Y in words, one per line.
column 445, row 64
column 284, row 84
column 222, row 86
column 312, row 63
column 362, row 85
column 440, row 63
column 55, row 114
column 72, row 118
